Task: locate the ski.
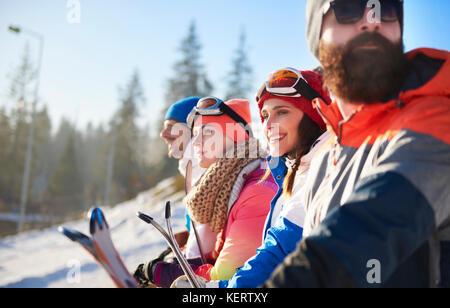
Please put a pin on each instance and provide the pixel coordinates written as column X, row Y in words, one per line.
column 80, row 238
column 170, row 239
column 187, row 189
column 87, row 243
column 107, row 253
column 101, row 247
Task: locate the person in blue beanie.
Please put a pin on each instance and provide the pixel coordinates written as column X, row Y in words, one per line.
column 175, row 132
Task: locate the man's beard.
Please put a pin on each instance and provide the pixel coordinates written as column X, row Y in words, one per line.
column 364, row 76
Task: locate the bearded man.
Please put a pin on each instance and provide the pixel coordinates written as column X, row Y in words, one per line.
column 378, row 200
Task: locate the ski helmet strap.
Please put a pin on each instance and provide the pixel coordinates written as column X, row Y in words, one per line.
column 237, row 118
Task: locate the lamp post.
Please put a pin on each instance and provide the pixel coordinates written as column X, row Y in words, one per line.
column 28, row 157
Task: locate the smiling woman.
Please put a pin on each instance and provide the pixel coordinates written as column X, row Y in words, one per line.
column 293, row 129
column 280, row 122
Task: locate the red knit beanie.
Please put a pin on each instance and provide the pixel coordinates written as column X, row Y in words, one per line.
column 315, row 80
column 235, row 132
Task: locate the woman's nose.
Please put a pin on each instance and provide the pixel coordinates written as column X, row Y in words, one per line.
column 269, row 123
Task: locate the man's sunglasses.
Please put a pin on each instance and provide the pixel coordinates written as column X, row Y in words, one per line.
column 351, row 11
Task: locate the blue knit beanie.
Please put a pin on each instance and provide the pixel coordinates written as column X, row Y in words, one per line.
column 180, row 110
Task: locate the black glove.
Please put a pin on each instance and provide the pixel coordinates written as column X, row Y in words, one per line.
column 144, row 272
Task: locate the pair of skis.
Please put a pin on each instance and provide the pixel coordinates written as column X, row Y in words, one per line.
column 101, row 247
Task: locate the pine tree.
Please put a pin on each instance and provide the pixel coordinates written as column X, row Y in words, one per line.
column 239, row 78
column 66, row 186
column 190, row 78
column 20, row 95
column 97, row 151
column 59, row 142
column 22, row 79
column 124, row 142
column 5, row 144
column 41, row 155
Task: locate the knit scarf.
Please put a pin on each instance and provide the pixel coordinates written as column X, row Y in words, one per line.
column 207, row 202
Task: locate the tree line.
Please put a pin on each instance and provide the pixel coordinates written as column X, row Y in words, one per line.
column 74, row 168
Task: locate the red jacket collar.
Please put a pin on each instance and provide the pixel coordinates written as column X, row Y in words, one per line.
column 368, row 114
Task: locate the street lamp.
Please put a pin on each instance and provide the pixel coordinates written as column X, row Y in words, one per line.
column 26, row 173
column 14, row 29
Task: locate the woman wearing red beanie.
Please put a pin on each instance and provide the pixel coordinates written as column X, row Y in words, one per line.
column 230, row 196
column 294, row 132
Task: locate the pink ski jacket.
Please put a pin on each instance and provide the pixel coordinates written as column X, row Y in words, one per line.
column 247, row 212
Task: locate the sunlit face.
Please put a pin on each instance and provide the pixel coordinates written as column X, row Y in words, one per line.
column 280, row 123
column 335, row 33
column 209, row 144
column 176, row 135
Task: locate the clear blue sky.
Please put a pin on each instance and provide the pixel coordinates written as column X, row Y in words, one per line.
column 85, row 63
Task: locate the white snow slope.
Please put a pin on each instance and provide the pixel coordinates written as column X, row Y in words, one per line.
column 47, row 259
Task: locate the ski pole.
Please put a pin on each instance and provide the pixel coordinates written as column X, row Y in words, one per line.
column 202, row 255
column 183, row 263
column 175, row 243
column 187, row 188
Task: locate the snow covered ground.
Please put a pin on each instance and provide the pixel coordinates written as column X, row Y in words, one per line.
column 47, row 259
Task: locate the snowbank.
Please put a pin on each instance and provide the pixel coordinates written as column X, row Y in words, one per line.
column 47, row 259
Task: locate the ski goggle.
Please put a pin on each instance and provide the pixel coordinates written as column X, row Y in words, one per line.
column 213, row 106
column 288, row 82
column 351, row 11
